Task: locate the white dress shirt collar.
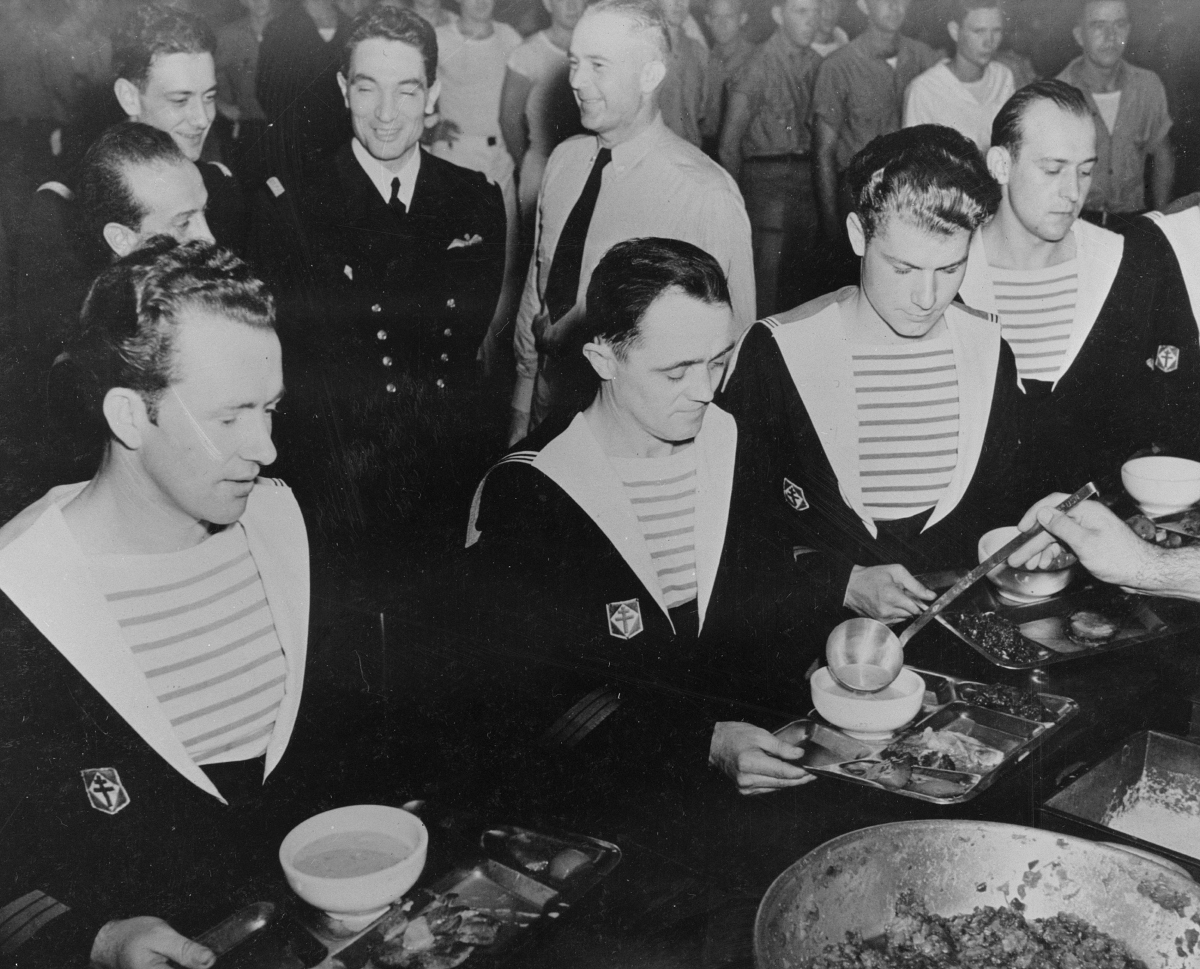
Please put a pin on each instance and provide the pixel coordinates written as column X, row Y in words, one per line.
column 382, row 178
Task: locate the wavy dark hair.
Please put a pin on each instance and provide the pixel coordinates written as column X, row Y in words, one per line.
column 393, row 23
column 1008, row 128
column 155, row 30
column 929, row 175
column 633, row 274
column 132, row 314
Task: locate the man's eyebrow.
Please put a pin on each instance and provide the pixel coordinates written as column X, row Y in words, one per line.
column 1066, row 161
column 692, row 363
column 360, row 76
column 252, row 404
column 908, row 265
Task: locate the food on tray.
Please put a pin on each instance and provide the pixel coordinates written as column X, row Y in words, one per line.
column 1006, row 699
column 894, row 774
column 1145, row 529
column 567, row 862
column 998, row 636
column 441, row 936
column 1089, row 628
column 989, row 936
column 945, row 750
column 349, row 854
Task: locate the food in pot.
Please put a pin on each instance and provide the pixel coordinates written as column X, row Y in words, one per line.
column 998, row 636
column 442, row 936
column 1089, row 628
column 989, row 936
column 1006, row 699
column 945, row 750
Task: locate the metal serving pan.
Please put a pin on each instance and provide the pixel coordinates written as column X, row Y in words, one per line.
column 1145, row 794
column 852, row 882
column 834, row 753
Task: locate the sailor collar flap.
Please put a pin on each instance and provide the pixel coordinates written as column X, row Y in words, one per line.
column 818, row 357
column 79, row 624
column 1182, row 230
column 1098, row 257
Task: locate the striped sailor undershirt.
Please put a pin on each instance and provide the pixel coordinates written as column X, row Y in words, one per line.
column 663, row 494
column 1037, row 313
column 201, row 631
column 908, row 409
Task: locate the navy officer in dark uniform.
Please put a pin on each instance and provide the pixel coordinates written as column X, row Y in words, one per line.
column 166, row 77
column 388, row 260
column 624, row 552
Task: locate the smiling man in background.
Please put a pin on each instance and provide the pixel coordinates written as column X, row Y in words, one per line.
column 166, row 77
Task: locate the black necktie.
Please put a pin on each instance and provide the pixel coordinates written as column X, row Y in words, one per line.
column 562, row 286
column 394, row 202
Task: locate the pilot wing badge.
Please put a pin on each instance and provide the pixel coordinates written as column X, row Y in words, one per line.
column 104, row 789
column 793, row 494
column 624, row 618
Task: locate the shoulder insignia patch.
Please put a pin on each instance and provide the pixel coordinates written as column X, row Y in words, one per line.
column 104, row 789
column 624, row 618
column 793, row 494
column 1167, row 358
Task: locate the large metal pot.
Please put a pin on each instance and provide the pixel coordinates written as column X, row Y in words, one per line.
column 852, row 882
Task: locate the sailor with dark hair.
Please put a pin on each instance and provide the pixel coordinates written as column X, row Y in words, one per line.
column 166, row 77
column 628, row 544
column 890, row 411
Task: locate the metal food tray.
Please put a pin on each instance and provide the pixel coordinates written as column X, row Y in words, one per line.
column 512, row 881
column 828, row 750
column 1139, row 620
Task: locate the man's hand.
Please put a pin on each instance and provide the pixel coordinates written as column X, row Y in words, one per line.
column 146, row 943
column 754, row 759
column 888, row 593
column 1106, row 546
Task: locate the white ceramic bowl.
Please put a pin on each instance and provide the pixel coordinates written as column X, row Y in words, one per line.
column 870, row 715
column 1162, row 485
column 1022, row 585
column 355, row 897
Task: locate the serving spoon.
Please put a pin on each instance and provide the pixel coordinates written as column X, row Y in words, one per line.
column 865, row 656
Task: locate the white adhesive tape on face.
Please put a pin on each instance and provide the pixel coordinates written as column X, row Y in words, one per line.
column 205, row 440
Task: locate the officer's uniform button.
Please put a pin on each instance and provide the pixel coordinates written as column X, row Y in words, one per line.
column 447, row 331
column 445, row 358
column 387, row 361
column 450, row 304
column 381, row 335
column 376, row 308
column 441, row 383
column 391, row 388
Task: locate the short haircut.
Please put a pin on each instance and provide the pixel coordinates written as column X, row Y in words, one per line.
column 154, row 30
column 957, row 10
column 1081, row 7
column 635, row 273
column 646, row 16
column 132, row 312
column 105, row 192
column 393, row 23
column 1008, row 130
column 931, row 176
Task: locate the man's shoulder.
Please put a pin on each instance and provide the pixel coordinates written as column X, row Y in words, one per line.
column 929, row 80
column 455, row 178
column 577, row 149
column 915, row 48
column 1143, row 77
column 31, row 514
column 806, row 314
column 683, row 160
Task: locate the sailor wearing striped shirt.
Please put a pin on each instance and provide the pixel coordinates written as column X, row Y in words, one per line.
column 166, row 602
column 889, row 411
column 634, row 525
column 1101, row 324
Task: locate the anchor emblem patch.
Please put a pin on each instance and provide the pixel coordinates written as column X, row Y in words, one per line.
column 793, row 494
column 104, row 789
column 1167, row 358
column 624, row 618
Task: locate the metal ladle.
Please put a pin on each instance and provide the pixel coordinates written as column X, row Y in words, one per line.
column 865, row 656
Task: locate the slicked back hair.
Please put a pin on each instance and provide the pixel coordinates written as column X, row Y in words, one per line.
column 105, row 192
column 646, row 16
column 155, row 30
column 635, row 273
column 929, row 175
column 1008, row 128
column 957, row 10
column 132, row 314
column 393, row 23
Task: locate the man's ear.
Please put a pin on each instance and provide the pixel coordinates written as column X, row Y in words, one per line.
column 743, row 19
column 602, row 359
column 128, row 97
column 653, row 72
column 777, row 15
column 999, row 162
column 952, row 30
column 126, row 414
column 120, row 238
column 863, row 8
column 345, row 88
column 1077, row 33
column 435, row 90
column 858, row 238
